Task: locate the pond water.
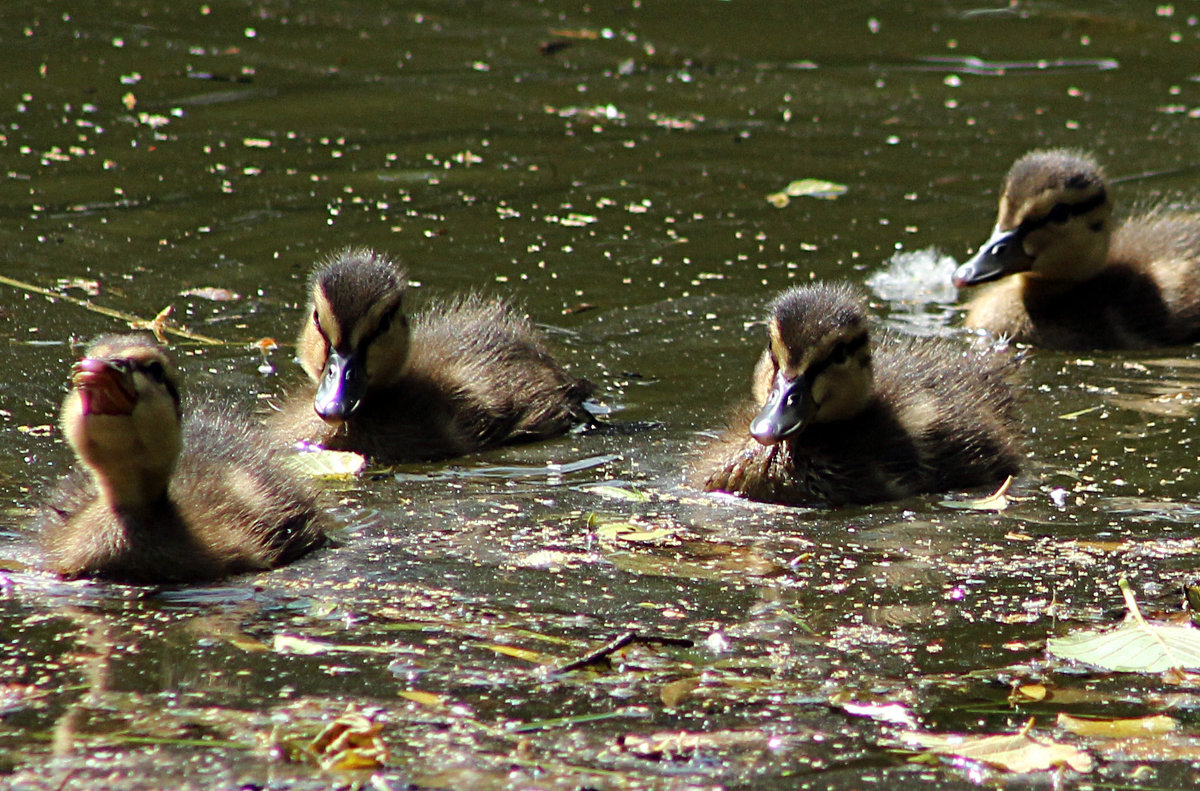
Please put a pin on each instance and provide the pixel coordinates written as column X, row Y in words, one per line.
column 608, row 168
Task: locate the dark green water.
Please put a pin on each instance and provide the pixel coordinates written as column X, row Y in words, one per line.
column 607, row 167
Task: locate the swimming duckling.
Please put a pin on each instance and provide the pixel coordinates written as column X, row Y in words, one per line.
column 839, row 422
column 157, row 502
column 1070, row 281
column 465, row 375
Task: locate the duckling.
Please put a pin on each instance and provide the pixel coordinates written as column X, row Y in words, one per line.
column 461, row 376
column 836, row 421
column 1068, row 280
column 157, row 501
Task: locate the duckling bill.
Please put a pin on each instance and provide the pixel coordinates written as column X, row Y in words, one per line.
column 1065, row 278
column 459, row 377
column 836, row 419
column 156, row 499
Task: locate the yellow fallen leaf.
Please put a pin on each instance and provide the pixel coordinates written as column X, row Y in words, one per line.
column 631, row 531
column 516, row 653
column 1012, row 752
column 327, row 464
column 431, row 699
column 1033, row 692
column 1118, row 728
column 350, row 742
column 675, row 691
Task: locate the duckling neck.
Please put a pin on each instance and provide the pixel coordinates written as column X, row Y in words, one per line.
column 132, row 490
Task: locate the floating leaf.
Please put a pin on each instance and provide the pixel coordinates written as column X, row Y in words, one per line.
column 616, row 492
column 809, row 188
column 1013, row 752
column 1034, row 692
column 1119, row 728
column 631, row 531
column 675, row 691
column 350, row 742
column 997, row 501
column 291, row 644
column 553, row 560
column 1132, row 647
column 212, row 293
column 1136, row 646
column 431, row 699
column 815, row 188
column 517, row 653
column 327, row 464
column 881, row 711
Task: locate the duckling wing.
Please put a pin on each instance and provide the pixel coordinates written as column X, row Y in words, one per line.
column 500, row 381
column 236, row 499
column 949, row 412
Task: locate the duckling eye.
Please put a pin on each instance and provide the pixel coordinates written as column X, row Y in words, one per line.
column 1059, row 214
column 839, row 354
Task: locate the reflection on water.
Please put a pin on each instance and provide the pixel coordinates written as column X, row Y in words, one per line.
column 610, row 169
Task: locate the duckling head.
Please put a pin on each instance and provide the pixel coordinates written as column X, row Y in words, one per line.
column 817, row 367
column 356, row 335
column 122, row 418
column 1054, row 221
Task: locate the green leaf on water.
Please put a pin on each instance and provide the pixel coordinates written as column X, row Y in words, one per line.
column 808, row 188
column 616, row 492
column 329, row 464
column 1133, row 647
column 630, row 531
column 815, row 188
column 1136, row 646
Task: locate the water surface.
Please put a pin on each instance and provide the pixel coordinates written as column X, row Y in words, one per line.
column 607, row 168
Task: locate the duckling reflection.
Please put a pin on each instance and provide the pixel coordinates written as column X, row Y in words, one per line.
column 842, row 421
column 462, row 376
column 1067, row 279
column 156, row 500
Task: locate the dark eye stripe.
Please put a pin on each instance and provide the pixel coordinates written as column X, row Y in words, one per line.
column 852, row 347
column 1071, row 209
column 158, row 372
column 385, row 321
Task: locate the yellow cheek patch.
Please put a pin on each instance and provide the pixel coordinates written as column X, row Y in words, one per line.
column 1004, row 218
column 330, row 327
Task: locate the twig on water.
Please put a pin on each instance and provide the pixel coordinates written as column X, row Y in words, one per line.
column 157, row 325
column 615, row 645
